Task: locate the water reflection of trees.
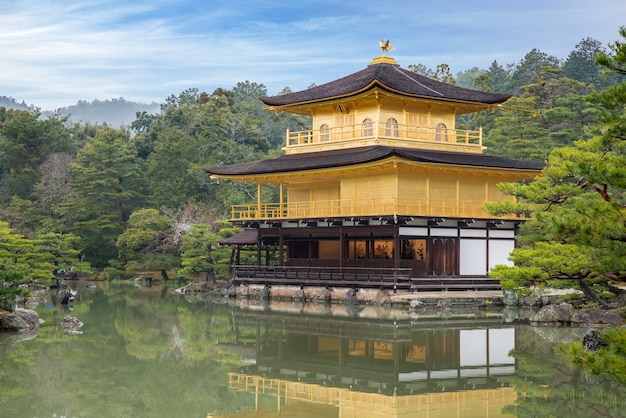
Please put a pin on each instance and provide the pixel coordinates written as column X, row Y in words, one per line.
column 139, row 356
column 547, row 386
column 146, row 353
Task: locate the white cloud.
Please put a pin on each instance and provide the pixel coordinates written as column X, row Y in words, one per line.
column 56, row 53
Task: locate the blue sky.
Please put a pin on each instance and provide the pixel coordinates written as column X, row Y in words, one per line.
column 54, row 53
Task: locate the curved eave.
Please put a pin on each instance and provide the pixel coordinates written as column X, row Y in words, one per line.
column 323, row 163
column 336, row 173
column 372, row 87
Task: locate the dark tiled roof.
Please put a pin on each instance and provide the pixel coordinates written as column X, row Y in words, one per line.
column 353, row 156
column 245, row 237
column 389, row 77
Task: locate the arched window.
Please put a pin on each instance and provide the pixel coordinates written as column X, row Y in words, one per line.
column 324, row 133
column 441, row 133
column 368, row 127
column 391, row 127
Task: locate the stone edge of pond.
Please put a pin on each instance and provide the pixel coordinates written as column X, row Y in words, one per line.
column 466, row 298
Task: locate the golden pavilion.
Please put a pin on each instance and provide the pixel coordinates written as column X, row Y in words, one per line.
column 384, row 191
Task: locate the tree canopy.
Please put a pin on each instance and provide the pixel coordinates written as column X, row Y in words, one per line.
column 578, row 204
column 119, row 196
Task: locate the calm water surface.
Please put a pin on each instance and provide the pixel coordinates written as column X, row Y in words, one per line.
column 150, row 352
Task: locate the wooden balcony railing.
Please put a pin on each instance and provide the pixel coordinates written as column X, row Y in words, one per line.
column 412, row 133
column 360, row 208
column 380, row 278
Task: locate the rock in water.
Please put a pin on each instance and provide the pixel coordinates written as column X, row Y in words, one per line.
column 383, row 297
column 71, row 324
column 444, row 304
column 64, row 297
column 30, row 316
column 416, row 304
column 264, row 293
column 11, row 322
column 300, row 295
column 324, row 296
column 20, row 320
column 351, row 297
column 561, row 313
column 596, row 316
column 592, row 340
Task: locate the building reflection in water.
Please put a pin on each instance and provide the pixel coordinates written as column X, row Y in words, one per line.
column 347, row 366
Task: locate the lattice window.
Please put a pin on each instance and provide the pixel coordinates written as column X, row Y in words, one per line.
column 344, row 120
column 418, row 119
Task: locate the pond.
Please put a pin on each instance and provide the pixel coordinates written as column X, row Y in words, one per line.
column 151, row 352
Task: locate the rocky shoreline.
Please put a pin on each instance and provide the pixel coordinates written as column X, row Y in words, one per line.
column 546, row 308
column 20, row 315
column 19, row 320
column 542, row 309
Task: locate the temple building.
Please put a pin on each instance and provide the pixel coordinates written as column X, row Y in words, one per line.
column 383, row 187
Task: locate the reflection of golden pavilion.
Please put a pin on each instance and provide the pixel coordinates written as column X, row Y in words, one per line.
column 320, row 400
column 355, row 367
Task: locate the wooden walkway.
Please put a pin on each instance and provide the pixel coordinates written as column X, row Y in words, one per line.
column 355, row 277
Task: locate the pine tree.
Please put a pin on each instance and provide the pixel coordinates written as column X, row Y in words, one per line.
column 107, row 187
column 578, row 206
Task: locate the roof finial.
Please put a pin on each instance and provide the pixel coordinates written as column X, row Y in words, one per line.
column 385, row 45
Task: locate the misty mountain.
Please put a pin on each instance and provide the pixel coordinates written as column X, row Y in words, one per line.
column 11, row 103
column 114, row 112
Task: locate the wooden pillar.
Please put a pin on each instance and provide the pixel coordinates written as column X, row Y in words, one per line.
column 281, row 247
column 458, row 194
column 281, row 203
column 396, row 246
column 259, row 193
column 233, row 260
column 342, row 246
column 258, row 248
column 233, row 253
column 310, row 247
column 428, row 208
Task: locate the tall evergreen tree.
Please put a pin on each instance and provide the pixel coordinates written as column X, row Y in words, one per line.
column 550, row 112
column 214, row 130
column 107, row 187
column 499, row 77
column 529, row 68
column 581, row 65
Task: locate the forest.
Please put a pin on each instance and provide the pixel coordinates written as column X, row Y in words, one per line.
column 121, row 201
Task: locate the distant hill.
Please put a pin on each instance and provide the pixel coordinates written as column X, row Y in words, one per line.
column 11, row 103
column 114, row 112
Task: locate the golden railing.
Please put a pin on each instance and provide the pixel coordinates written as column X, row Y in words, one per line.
column 383, row 130
column 356, row 208
column 370, row 403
